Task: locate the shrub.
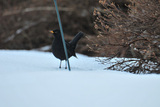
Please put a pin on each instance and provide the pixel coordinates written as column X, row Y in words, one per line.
column 134, row 34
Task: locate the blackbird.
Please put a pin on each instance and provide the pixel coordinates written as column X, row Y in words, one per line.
column 58, row 49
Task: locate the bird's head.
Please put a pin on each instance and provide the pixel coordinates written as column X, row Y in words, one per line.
column 56, row 33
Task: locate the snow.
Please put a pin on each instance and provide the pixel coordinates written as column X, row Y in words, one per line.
column 33, row 79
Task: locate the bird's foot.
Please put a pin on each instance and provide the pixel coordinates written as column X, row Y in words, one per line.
column 60, row 67
column 65, row 67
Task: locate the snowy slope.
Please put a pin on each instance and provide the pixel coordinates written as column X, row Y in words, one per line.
column 33, row 79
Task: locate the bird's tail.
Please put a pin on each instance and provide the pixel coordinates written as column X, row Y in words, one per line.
column 74, row 41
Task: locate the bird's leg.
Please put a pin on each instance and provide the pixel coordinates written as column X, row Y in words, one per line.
column 65, row 64
column 60, row 64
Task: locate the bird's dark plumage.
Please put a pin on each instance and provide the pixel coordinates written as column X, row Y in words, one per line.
column 57, row 45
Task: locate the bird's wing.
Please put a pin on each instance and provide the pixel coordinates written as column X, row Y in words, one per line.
column 70, row 49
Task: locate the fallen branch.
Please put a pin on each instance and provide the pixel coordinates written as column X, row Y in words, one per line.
column 31, row 9
column 18, row 31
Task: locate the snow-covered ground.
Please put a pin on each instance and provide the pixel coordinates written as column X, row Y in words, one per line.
column 33, row 79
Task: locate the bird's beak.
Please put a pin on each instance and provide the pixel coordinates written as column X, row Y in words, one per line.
column 51, row 31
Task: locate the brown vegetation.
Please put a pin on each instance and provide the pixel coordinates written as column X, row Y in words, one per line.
column 25, row 23
column 134, row 34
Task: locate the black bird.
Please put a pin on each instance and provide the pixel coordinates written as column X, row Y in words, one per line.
column 58, row 49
